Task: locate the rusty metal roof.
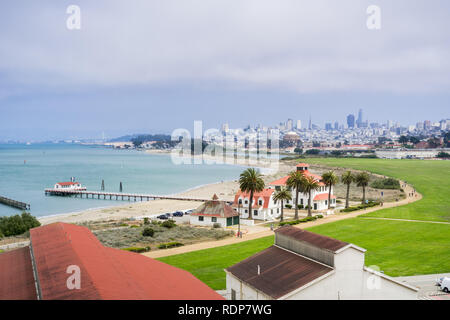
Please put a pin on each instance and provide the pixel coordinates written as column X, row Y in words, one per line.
column 314, row 239
column 215, row 208
column 281, row 271
column 16, row 275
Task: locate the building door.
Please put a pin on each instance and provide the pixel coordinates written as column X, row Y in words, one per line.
column 229, row 221
column 315, row 206
column 236, row 220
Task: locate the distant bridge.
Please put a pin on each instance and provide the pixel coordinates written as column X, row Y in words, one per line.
column 115, row 195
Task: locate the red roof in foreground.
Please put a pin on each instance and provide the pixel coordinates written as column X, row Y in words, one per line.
column 106, row 273
column 281, row 271
column 323, row 196
column 16, row 275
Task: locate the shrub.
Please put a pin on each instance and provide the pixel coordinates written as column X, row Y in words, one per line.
column 387, row 183
column 170, row 245
column 361, row 206
column 16, row 225
column 319, row 216
column 134, row 226
column 169, row 224
column 146, row 221
column 217, row 225
column 288, row 206
column 300, row 206
column 148, row 232
column 137, row 249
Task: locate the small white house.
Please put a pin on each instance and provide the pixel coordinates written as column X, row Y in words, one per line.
column 69, row 186
column 302, row 265
column 319, row 198
column 263, row 205
column 214, row 211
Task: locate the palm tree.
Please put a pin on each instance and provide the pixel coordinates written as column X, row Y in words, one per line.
column 250, row 181
column 362, row 180
column 282, row 195
column 310, row 185
column 296, row 181
column 330, row 179
column 347, row 178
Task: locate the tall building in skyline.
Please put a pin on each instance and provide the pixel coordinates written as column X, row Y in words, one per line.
column 359, row 122
column 299, row 124
column 351, row 121
column 310, row 123
column 289, row 124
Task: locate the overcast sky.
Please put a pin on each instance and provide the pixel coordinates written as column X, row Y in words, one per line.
column 153, row 66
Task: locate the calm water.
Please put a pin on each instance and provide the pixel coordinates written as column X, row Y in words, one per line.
column 139, row 172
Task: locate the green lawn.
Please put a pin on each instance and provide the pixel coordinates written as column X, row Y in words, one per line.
column 430, row 178
column 399, row 248
column 208, row 265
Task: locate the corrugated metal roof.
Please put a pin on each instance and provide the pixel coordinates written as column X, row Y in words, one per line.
column 106, row 273
column 314, row 239
column 16, row 275
column 281, row 271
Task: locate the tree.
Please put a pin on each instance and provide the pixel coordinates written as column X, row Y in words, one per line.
column 250, row 181
column 296, row 181
column 310, row 185
column 362, row 180
column 403, row 140
column 330, row 179
column 282, row 195
column 298, row 150
column 347, row 178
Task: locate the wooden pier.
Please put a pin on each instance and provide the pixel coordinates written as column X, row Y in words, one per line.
column 115, row 195
column 14, row 203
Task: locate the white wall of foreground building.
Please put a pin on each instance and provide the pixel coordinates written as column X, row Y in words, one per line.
column 349, row 280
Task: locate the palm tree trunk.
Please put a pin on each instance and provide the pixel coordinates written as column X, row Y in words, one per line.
column 296, row 203
column 281, row 218
column 329, row 197
column 309, row 204
column 347, row 196
column 364, row 195
column 250, row 216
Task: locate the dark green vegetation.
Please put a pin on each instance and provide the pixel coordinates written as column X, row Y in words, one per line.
column 169, row 245
column 137, row 249
column 399, row 248
column 208, row 265
column 17, row 224
column 386, row 183
column 362, row 206
column 306, row 219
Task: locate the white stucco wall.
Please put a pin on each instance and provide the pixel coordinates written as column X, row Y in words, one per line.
column 207, row 221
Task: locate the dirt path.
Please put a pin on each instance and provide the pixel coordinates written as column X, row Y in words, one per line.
column 411, row 196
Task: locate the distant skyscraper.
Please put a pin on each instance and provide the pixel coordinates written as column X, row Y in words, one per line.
column 299, row 124
column 225, row 128
column 351, row 121
column 336, row 125
column 359, row 122
column 328, row 126
column 290, row 124
column 310, row 123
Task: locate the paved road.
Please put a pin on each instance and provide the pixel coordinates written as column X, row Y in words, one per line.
column 428, row 289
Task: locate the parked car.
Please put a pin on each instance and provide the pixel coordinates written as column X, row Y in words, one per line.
column 163, row 216
column 188, row 211
column 445, row 285
column 177, row 214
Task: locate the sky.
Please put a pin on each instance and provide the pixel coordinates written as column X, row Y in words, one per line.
column 152, row 66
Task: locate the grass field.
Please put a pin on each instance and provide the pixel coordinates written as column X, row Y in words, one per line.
column 399, row 248
column 430, row 178
column 208, row 265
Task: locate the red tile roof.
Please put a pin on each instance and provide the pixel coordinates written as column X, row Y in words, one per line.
column 106, row 273
column 302, row 165
column 323, row 196
column 281, row 271
column 67, row 183
column 314, row 239
column 16, row 275
column 265, row 195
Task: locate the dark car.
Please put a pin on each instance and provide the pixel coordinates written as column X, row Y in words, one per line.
column 177, row 214
column 163, row 216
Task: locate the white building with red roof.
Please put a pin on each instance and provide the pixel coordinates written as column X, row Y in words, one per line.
column 71, row 185
column 214, row 211
column 319, row 198
column 263, row 205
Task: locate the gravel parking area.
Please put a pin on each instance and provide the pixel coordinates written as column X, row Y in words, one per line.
column 428, row 289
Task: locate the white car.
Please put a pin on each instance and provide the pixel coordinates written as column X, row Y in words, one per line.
column 439, row 281
column 445, row 285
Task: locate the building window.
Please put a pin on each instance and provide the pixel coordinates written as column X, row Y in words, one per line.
column 326, row 202
column 246, row 211
column 301, row 201
column 200, row 218
column 260, row 202
column 255, row 212
column 233, row 294
column 213, row 219
column 240, row 201
column 246, row 201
